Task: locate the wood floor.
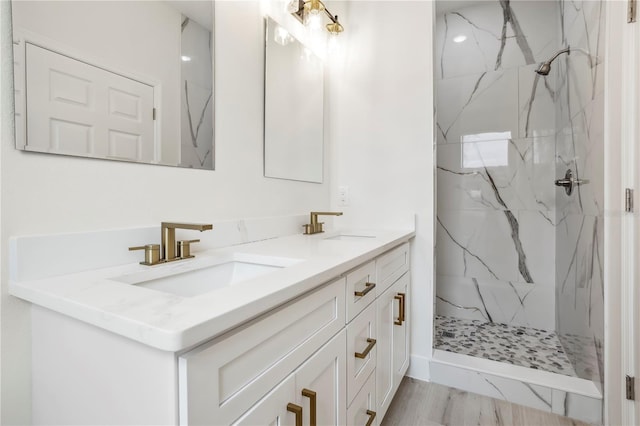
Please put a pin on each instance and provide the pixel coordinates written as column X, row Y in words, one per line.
column 420, row 403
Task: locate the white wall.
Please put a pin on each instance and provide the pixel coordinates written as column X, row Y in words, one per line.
column 49, row 194
column 382, row 137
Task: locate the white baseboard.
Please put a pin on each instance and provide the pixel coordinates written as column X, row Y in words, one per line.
column 419, row 368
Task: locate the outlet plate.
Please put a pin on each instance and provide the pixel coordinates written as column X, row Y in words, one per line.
column 343, row 196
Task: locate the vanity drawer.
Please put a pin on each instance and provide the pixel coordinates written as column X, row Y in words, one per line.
column 361, row 339
column 361, row 289
column 362, row 410
column 390, row 266
column 221, row 380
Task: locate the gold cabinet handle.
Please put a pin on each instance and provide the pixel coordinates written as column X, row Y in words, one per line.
column 400, row 298
column 367, row 288
column 297, row 410
column 372, row 343
column 312, row 405
column 372, row 415
column 403, row 306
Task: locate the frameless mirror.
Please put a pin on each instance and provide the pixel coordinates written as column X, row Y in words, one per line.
column 293, row 108
column 118, row 80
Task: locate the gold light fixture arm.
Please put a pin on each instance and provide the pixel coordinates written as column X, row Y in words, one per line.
column 306, row 6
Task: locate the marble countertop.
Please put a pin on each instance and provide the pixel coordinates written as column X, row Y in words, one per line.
column 174, row 323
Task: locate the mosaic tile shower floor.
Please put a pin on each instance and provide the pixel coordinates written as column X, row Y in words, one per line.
column 523, row 346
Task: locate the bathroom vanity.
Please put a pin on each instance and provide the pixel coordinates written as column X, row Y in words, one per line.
column 301, row 330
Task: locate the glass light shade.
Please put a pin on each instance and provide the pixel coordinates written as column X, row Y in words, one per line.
column 292, row 6
column 314, row 22
column 332, row 45
column 335, row 28
column 314, row 7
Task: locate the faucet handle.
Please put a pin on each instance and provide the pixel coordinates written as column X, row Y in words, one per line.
column 313, row 228
column 184, row 248
column 151, row 253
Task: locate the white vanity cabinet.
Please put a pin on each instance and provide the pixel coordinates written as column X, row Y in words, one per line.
column 225, row 381
column 382, row 330
column 334, row 355
column 313, row 394
column 220, row 380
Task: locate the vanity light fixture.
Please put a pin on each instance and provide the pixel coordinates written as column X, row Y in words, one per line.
column 185, row 58
column 314, row 7
column 308, row 8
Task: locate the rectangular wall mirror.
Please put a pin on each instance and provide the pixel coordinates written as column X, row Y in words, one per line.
column 117, row 80
column 293, row 108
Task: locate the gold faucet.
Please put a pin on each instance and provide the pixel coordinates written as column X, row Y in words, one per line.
column 155, row 254
column 168, row 233
column 315, row 227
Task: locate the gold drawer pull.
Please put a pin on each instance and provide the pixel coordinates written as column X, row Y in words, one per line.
column 372, row 415
column 297, row 410
column 367, row 289
column 372, row 343
column 400, row 298
column 312, row 397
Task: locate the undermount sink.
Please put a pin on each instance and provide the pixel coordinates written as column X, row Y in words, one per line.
column 350, row 237
column 205, row 274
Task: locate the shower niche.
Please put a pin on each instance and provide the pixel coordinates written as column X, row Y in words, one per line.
column 519, row 279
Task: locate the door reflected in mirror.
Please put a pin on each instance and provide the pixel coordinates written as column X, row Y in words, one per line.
column 293, row 108
column 129, row 81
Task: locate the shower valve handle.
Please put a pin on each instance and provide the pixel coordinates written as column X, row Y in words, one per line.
column 568, row 182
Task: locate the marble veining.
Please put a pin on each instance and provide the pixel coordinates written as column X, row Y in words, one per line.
column 511, row 247
column 423, row 403
column 197, row 95
column 496, row 219
column 580, row 217
column 527, row 347
column 510, row 18
column 515, row 232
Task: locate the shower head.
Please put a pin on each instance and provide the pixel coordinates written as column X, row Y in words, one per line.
column 545, row 67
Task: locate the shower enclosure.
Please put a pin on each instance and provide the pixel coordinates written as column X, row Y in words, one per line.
column 519, row 250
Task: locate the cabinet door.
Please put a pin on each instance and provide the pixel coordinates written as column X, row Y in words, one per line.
column 393, row 350
column 220, row 380
column 362, row 411
column 321, row 382
column 272, row 409
column 401, row 336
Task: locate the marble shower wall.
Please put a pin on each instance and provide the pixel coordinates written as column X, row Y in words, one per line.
column 196, row 119
column 580, row 218
column 496, row 128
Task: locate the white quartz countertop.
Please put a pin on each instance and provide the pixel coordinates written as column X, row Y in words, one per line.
column 174, row 323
